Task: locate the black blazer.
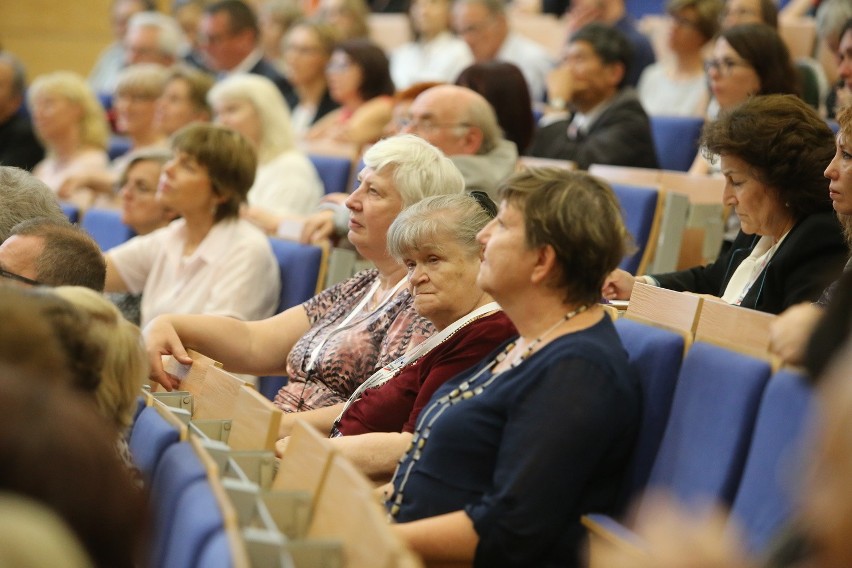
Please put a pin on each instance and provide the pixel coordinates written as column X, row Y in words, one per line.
column 269, row 71
column 813, row 254
column 326, row 104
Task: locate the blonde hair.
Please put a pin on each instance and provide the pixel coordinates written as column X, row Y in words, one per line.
column 94, row 129
column 125, row 365
column 146, row 79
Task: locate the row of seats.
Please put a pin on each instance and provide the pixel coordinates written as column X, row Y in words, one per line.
column 721, row 423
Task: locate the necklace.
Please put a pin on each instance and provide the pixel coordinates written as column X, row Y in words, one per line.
column 466, row 390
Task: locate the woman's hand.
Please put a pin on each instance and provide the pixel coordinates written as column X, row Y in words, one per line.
column 161, row 339
column 281, row 446
column 318, row 227
column 790, row 331
column 618, row 285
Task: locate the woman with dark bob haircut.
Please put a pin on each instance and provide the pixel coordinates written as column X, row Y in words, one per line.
column 358, row 76
column 507, row 455
column 503, row 85
column 773, row 151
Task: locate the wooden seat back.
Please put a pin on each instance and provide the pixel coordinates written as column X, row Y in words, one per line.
column 255, row 423
column 675, row 310
column 734, row 327
column 191, row 376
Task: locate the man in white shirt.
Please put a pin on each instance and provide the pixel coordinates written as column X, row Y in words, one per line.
column 483, row 24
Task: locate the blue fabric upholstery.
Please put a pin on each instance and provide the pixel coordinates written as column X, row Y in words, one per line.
column 70, row 211
column 300, row 267
column 676, row 140
column 656, row 355
column 106, row 227
column 177, row 470
column 333, row 171
column 703, row 451
column 118, row 146
column 198, row 518
column 217, row 552
column 639, row 205
column 150, row 438
column 764, row 499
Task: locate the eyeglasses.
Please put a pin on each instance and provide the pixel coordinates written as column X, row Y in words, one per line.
column 18, row 278
column 338, row 67
column 427, row 125
column 723, row 66
column 137, row 188
column 476, row 28
column 296, row 49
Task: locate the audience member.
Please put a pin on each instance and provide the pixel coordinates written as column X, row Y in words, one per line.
column 184, row 100
column 347, row 17
column 608, row 124
column 230, row 42
column 436, row 240
column 286, row 183
column 71, row 124
column 44, row 252
column 499, row 473
column 136, row 94
column 153, row 37
column 209, row 261
column 188, row 14
column 358, row 76
column 104, row 74
column 613, row 13
column 333, row 342
column 843, row 92
column 402, row 100
column 274, row 18
column 831, row 23
column 18, row 144
column 503, row 86
column 435, row 54
column 307, row 50
column 484, row 26
column 24, row 197
column 678, row 87
column 773, row 150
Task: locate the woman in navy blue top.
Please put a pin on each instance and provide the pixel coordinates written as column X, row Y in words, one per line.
column 507, row 456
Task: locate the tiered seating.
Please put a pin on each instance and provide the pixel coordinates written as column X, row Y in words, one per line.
column 676, row 140
column 105, row 226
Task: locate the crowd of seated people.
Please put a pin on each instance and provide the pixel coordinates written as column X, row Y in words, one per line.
column 446, row 368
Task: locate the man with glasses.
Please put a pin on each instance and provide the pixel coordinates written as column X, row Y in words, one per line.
column 484, row 26
column 49, row 253
column 230, row 42
column 607, row 124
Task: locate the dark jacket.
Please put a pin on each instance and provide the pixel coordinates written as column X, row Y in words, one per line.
column 621, row 136
column 326, row 104
column 813, row 253
column 18, row 145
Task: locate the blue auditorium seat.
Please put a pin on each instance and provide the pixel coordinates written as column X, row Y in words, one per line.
column 640, row 208
column 676, row 140
column 106, row 227
column 333, row 171
column 151, row 436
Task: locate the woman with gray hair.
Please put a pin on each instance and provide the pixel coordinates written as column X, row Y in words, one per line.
column 436, row 241
column 286, row 184
column 330, row 344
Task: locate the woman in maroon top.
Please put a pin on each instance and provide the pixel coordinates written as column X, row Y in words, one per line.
column 436, row 240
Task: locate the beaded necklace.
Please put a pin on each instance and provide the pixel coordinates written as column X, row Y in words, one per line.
column 467, row 389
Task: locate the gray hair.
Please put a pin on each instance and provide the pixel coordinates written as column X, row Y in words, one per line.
column 458, row 217
column 147, row 79
column 271, row 108
column 495, row 7
column 19, row 74
column 831, row 18
column 159, row 155
column 171, row 40
column 23, row 197
column 419, row 169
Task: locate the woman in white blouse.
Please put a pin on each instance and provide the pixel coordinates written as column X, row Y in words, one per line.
column 209, row 261
column 286, row 184
column 436, row 54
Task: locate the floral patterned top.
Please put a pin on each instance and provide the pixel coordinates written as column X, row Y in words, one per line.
column 349, row 355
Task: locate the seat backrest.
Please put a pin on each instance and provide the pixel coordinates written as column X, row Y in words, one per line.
column 152, row 434
column 302, row 269
column 191, row 376
column 525, row 162
column 626, row 174
column 703, row 450
column 764, row 499
column 304, row 462
column 641, row 207
column 118, row 146
column 197, row 519
column 105, row 226
column 334, row 171
column 348, row 511
column 255, row 423
column 70, row 210
column 656, row 354
column 677, row 310
column 743, row 328
column 218, row 395
column 676, row 140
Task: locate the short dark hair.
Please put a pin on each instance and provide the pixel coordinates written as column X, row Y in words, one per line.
column 785, row 142
column 375, row 67
column 70, row 256
column 19, row 74
column 578, row 216
column 240, row 15
column 608, row 43
column 766, row 52
column 229, row 158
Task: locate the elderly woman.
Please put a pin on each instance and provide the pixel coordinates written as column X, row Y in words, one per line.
column 330, row 344
column 436, row 240
column 209, row 261
column 508, row 455
column 773, row 150
column 184, row 99
column 71, row 124
column 286, row 183
column 358, row 76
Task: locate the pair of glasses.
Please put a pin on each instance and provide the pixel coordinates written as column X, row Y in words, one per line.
column 426, row 125
column 18, row 278
column 723, row 66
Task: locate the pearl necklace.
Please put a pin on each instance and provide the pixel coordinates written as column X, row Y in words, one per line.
column 466, row 390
